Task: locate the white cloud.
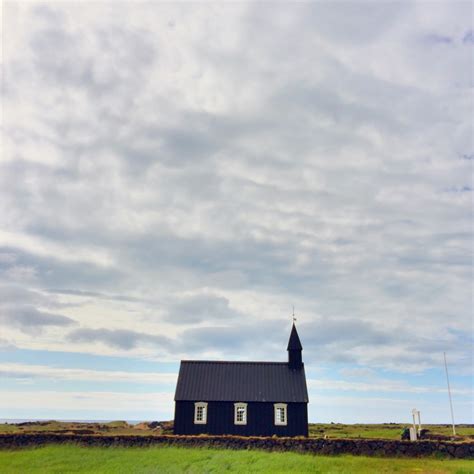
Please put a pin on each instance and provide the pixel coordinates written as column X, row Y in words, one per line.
column 106, row 402
column 25, row 371
column 211, row 161
column 378, row 385
column 350, row 409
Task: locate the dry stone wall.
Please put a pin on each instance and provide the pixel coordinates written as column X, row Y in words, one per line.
column 365, row 447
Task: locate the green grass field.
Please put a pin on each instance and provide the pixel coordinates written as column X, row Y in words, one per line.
column 74, row 459
column 381, row 430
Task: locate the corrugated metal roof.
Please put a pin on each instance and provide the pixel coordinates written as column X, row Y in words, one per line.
column 240, row 382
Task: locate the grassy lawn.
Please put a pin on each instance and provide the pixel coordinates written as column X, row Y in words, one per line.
column 75, row 459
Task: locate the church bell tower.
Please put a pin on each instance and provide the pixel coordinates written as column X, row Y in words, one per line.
column 295, row 349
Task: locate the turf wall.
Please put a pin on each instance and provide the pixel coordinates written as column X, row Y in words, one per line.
column 366, row 447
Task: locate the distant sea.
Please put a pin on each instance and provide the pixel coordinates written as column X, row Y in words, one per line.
column 23, row 420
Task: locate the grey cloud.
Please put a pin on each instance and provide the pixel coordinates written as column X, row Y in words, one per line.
column 172, row 147
column 348, row 23
column 254, row 339
column 250, row 258
column 324, row 341
column 119, row 338
column 64, row 58
column 438, row 38
column 246, row 340
column 29, row 319
column 347, row 332
column 345, row 340
column 57, row 56
column 12, row 374
column 468, row 37
column 24, row 309
column 7, row 258
column 6, row 345
column 192, row 149
column 48, row 15
column 92, row 294
column 18, row 294
column 201, row 308
column 358, row 372
column 318, row 101
column 54, row 272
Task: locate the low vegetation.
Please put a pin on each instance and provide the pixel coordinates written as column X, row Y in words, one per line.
column 111, row 428
column 75, row 459
column 318, row 430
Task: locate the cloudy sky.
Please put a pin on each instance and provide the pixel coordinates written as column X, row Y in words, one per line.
column 176, row 176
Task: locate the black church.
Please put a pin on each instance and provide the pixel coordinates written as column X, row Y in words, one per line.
column 243, row 398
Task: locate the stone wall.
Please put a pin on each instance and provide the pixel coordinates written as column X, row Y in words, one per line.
column 365, row 447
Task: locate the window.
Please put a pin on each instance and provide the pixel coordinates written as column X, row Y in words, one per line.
column 200, row 413
column 240, row 413
column 280, row 414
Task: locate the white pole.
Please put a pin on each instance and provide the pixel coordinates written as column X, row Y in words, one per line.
column 413, row 413
column 449, row 393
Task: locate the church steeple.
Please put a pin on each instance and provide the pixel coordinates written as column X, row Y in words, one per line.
column 295, row 359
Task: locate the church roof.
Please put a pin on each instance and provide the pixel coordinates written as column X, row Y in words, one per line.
column 240, row 382
column 294, row 343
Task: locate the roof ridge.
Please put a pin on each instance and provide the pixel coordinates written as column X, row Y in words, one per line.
column 234, row 362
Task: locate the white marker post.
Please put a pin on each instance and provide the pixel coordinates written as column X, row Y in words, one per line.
column 413, row 436
column 449, row 393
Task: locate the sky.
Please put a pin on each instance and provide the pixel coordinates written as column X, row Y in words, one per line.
column 175, row 177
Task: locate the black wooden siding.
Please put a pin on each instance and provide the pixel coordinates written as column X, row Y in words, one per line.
column 260, row 419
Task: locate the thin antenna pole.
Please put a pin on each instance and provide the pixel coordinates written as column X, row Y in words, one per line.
column 294, row 319
column 449, row 393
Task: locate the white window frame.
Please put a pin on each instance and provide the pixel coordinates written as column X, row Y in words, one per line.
column 202, row 405
column 277, row 408
column 238, row 406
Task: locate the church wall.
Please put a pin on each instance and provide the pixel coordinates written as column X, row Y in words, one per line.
column 260, row 419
